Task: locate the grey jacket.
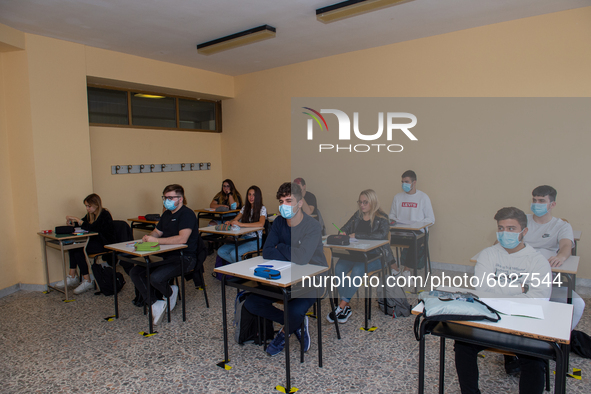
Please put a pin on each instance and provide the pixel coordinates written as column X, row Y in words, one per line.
column 379, row 230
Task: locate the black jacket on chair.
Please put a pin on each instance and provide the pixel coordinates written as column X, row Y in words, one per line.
column 379, row 230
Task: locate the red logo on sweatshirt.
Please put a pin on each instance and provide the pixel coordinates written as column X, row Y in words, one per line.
column 409, row 205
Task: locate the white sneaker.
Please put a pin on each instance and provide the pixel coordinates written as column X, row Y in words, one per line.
column 174, row 296
column 70, row 280
column 84, row 286
column 158, row 309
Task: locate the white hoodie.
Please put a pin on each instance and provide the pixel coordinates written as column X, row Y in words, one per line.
column 494, row 265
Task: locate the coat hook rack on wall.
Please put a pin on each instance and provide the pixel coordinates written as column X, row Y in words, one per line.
column 142, row 168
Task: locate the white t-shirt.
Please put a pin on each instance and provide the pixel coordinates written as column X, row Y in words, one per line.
column 545, row 238
column 407, row 208
column 253, row 234
column 494, row 265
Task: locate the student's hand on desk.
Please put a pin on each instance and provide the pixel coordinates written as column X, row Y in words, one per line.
column 556, row 261
column 149, row 238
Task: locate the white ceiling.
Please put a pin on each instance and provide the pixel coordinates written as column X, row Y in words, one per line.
column 169, row 30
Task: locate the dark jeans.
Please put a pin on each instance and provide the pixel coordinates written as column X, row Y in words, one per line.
column 77, row 258
column 532, row 370
column 263, row 306
column 160, row 275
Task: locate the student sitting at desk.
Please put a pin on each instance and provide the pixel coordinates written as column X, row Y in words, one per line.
column 177, row 225
column 310, row 202
column 553, row 238
column 228, row 197
column 252, row 214
column 369, row 222
column 98, row 220
column 511, row 256
column 294, row 237
column 409, row 206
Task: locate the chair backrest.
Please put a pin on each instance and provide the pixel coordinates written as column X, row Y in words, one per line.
column 321, row 221
column 123, row 232
column 266, row 228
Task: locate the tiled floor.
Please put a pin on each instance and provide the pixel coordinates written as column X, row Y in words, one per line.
column 47, row 346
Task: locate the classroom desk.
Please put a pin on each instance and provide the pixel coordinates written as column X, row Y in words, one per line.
column 127, row 248
column 400, row 231
column 548, row 338
column 279, row 288
column 569, row 269
column 234, row 235
column 142, row 224
column 212, row 214
column 63, row 242
column 364, row 246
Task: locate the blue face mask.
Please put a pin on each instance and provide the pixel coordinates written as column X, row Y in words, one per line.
column 406, row 187
column 539, row 209
column 508, row 240
column 233, row 205
column 287, row 211
column 169, row 204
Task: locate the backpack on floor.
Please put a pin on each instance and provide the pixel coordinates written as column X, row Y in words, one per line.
column 219, row 262
column 103, row 274
column 580, row 343
column 246, row 324
column 396, row 303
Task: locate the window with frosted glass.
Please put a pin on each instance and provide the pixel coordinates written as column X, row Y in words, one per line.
column 200, row 115
column 107, row 106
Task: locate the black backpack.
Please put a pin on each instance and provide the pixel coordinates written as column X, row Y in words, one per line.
column 104, row 279
column 580, row 343
column 246, row 323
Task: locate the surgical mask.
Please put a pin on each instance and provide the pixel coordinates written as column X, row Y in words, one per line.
column 233, row 205
column 406, row 187
column 539, row 209
column 169, row 204
column 286, row 211
column 508, row 240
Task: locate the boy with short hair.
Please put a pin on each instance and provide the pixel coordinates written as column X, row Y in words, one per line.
column 411, row 205
column 294, row 237
column 553, row 238
column 510, row 257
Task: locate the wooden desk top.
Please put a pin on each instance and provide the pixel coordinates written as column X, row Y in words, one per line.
column 212, row 210
column 143, row 221
column 555, row 326
column 570, row 265
column 289, row 276
column 127, row 247
column 363, row 245
column 65, row 237
column 414, row 226
column 242, row 231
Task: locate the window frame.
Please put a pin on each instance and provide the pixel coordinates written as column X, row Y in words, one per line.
column 218, row 110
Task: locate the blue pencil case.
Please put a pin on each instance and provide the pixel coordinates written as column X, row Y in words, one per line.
column 267, row 273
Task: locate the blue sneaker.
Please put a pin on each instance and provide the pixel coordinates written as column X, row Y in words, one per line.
column 298, row 333
column 277, row 345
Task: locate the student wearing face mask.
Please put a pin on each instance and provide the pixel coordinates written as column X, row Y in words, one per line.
column 177, row 225
column 228, row 197
column 294, row 237
column 411, row 205
column 510, row 257
column 99, row 220
column 252, row 214
column 553, row 238
column 369, row 222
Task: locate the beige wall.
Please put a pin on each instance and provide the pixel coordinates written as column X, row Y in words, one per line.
column 544, row 56
column 44, row 131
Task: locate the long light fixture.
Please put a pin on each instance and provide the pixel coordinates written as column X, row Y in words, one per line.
column 347, row 9
column 245, row 37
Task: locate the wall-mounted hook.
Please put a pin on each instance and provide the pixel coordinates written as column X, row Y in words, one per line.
column 152, row 167
column 192, row 165
column 141, row 167
column 117, row 168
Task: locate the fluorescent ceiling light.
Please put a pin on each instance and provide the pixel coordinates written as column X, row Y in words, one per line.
column 152, row 96
column 245, row 37
column 350, row 8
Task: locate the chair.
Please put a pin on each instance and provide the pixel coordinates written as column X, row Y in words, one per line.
column 259, row 252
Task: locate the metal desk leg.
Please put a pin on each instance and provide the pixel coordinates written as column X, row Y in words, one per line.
column 572, row 281
column 319, row 301
column 422, row 360
column 225, row 319
column 441, row 364
column 149, row 303
column 64, row 269
column 416, row 248
column 46, row 266
column 286, row 332
column 366, row 309
column 236, row 247
column 183, row 287
column 115, row 285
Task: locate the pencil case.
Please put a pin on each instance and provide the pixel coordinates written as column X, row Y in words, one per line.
column 267, row 273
